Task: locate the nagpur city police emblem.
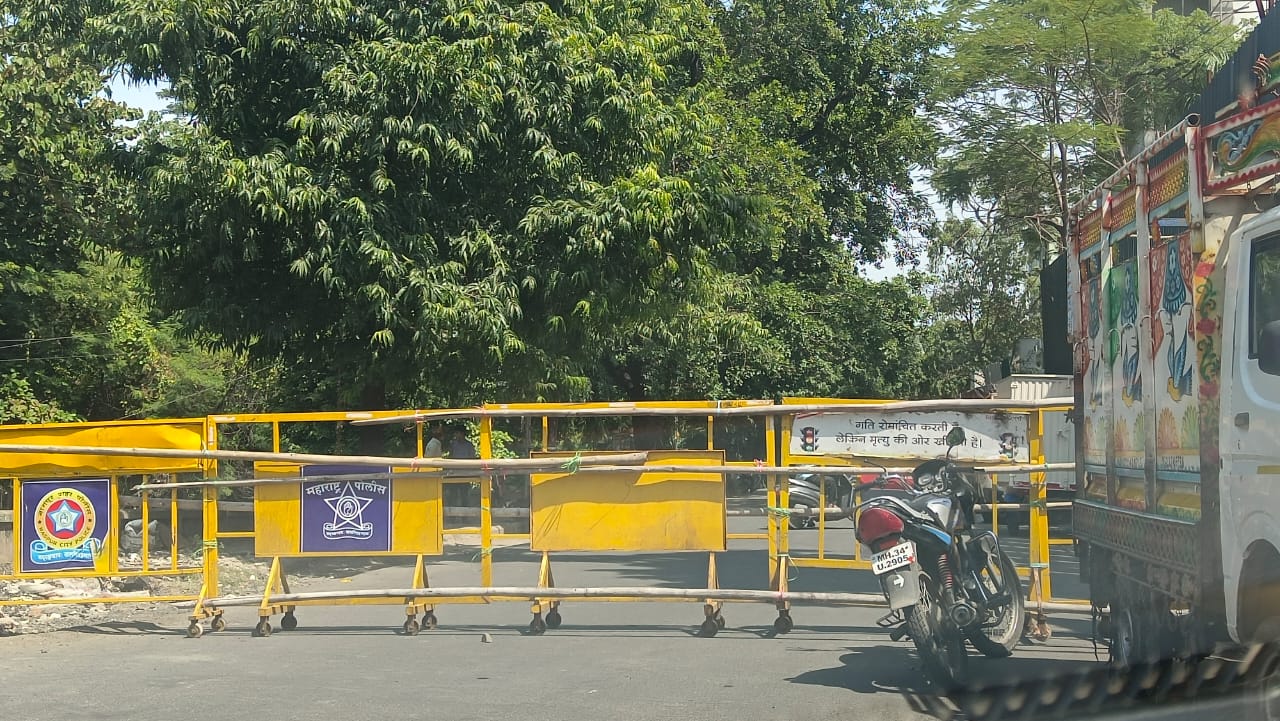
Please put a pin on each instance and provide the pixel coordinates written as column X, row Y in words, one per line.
column 64, row 522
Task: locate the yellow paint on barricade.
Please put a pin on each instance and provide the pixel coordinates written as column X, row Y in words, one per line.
column 581, row 510
column 186, row 434
column 343, row 510
column 66, row 513
column 904, row 437
column 651, row 511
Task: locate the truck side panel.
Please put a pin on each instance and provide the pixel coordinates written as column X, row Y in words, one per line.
column 1175, row 355
column 1093, row 366
column 1127, row 356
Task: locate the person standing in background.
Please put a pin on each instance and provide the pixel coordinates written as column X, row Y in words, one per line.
column 435, row 446
column 460, row 447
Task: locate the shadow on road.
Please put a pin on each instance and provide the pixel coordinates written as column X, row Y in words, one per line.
column 896, row 670
column 126, row 628
column 882, row 669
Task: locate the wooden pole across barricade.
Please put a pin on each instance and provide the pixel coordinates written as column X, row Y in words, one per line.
column 610, row 463
column 627, row 409
column 484, row 465
column 526, row 593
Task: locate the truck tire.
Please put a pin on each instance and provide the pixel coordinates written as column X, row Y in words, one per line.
column 1262, row 694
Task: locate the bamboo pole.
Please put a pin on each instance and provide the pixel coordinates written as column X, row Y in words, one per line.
column 529, row 593
column 483, row 465
column 609, row 463
column 625, row 409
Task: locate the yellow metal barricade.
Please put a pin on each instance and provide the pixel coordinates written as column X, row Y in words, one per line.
column 649, row 511
column 67, row 506
column 899, row 440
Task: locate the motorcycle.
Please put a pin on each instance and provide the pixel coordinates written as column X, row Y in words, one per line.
column 945, row 584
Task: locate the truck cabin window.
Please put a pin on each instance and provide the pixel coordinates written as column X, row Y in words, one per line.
column 1264, row 289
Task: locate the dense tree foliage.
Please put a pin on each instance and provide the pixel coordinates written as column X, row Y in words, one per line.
column 386, row 202
column 1039, row 101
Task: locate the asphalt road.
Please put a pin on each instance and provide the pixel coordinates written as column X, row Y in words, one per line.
column 608, row 661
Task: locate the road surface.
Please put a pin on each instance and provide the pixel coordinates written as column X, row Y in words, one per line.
column 608, row 661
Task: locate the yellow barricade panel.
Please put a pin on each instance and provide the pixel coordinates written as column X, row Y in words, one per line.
column 348, row 517
column 640, row 511
column 175, row 434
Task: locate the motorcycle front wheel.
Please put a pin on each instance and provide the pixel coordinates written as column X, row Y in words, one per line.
column 1001, row 630
column 941, row 650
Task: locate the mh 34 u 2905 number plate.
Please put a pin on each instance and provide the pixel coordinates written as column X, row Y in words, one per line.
column 900, row 555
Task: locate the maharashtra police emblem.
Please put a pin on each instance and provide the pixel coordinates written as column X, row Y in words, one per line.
column 808, row 439
column 348, row 516
column 64, row 522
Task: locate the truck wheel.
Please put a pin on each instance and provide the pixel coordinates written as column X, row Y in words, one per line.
column 1262, row 696
column 1123, row 639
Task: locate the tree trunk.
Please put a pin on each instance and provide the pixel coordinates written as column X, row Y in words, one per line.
column 373, row 397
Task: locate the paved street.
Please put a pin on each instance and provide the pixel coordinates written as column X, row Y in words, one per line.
column 608, row 661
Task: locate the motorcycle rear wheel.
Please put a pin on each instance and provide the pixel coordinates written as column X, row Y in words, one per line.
column 998, row 641
column 942, row 651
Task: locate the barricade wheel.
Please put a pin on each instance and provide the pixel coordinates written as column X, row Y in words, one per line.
column 429, row 620
column 195, row 630
column 537, row 626
column 708, row 628
column 411, row 627
column 218, row 624
column 288, row 622
column 783, row 623
column 719, row 619
column 263, row 629
column 553, row 619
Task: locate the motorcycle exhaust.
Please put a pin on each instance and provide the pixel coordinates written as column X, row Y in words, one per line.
column 963, row 613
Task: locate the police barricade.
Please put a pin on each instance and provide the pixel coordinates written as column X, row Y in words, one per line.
column 331, row 510
column 669, row 508
column 849, row 441
column 68, row 505
column 284, row 516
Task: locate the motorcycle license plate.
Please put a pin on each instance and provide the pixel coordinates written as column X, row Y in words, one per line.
column 898, row 556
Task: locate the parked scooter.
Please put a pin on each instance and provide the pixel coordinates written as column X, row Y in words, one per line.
column 945, row 583
column 804, row 494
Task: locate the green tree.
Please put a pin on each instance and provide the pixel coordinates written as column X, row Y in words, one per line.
column 1042, row 99
column 405, row 194
column 841, row 83
column 983, row 294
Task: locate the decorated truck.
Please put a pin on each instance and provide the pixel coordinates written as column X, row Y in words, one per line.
column 1174, row 284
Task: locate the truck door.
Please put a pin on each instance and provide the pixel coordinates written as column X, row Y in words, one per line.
column 1250, row 420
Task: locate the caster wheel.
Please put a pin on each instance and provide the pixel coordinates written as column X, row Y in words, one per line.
column 411, row 627
column 537, row 626
column 195, row 630
column 720, row 624
column 708, row 628
column 783, row 623
column 554, row 620
column 263, row 629
column 218, row 624
column 288, row 622
column 429, row 621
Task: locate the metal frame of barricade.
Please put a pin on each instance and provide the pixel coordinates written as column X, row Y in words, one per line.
column 85, row 555
column 1038, row 571
column 777, row 443
column 545, row 412
column 277, row 577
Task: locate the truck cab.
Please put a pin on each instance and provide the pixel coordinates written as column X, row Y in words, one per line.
column 1249, row 427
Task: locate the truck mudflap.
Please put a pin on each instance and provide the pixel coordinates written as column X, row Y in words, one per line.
column 902, row 586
